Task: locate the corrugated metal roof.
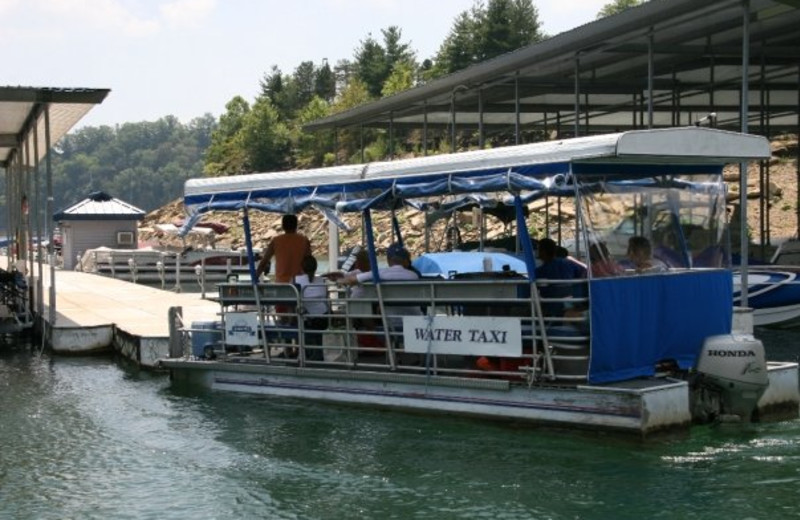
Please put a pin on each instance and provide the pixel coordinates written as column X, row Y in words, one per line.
column 21, row 110
column 697, row 49
column 100, row 206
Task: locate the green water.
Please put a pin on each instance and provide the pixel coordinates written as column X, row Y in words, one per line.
column 92, row 438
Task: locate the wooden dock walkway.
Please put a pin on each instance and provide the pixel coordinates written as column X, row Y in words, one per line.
column 95, row 313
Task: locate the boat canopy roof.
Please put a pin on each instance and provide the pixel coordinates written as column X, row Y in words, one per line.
column 538, row 167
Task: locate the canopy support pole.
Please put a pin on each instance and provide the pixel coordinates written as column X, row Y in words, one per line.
column 373, row 261
column 745, row 107
column 48, row 215
column 248, row 242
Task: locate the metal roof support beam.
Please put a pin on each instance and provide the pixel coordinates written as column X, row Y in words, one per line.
column 391, row 135
column 517, row 139
column 51, row 257
column 38, row 206
column 7, row 178
column 650, row 70
column 673, row 93
column 424, row 131
column 480, row 119
column 712, row 80
column 26, row 214
column 769, row 131
column 11, row 191
column 577, row 93
column 797, row 161
column 336, row 145
column 361, row 140
column 743, row 165
column 761, row 173
column 558, row 124
column 453, row 120
column 586, row 113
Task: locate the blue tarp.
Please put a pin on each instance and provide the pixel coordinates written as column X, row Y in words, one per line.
column 442, row 264
column 639, row 320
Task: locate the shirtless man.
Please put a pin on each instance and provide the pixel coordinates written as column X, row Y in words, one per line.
column 289, row 249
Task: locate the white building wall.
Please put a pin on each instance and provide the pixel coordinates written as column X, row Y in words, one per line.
column 80, row 235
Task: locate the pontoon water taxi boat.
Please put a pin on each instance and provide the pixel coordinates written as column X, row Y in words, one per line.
column 639, row 352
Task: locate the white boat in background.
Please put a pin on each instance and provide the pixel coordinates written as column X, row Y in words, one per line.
column 773, row 294
column 787, row 253
column 639, row 353
column 193, row 270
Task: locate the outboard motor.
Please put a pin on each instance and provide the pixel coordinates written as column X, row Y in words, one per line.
column 732, row 376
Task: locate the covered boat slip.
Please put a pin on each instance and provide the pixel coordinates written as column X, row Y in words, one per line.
column 473, row 333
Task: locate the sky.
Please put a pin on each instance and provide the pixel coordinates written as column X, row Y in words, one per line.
column 190, row 57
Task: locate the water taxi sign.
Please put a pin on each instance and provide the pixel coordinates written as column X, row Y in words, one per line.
column 463, row 335
column 241, row 328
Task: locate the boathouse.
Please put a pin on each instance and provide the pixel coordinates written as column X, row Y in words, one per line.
column 99, row 220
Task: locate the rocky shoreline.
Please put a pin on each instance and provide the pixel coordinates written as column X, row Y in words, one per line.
column 779, row 183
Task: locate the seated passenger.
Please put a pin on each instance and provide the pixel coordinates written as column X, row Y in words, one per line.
column 640, row 253
column 555, row 268
column 397, row 257
column 314, row 295
column 361, row 265
column 600, row 261
column 580, row 267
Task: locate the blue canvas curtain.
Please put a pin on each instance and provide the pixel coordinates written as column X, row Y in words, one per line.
column 637, row 321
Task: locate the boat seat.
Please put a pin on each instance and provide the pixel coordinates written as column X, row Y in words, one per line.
column 709, row 257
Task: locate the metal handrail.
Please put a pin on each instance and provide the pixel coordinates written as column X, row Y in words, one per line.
column 540, row 360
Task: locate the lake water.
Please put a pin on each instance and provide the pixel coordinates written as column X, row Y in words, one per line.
column 93, row 438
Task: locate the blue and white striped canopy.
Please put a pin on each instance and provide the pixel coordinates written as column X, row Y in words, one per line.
column 538, row 168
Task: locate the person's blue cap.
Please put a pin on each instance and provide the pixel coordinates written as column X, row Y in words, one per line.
column 397, row 251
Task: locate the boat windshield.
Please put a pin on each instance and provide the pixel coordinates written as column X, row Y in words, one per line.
column 682, row 217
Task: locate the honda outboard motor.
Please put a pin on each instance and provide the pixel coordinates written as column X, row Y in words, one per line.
column 732, row 376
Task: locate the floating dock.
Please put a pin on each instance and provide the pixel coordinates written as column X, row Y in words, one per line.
column 97, row 314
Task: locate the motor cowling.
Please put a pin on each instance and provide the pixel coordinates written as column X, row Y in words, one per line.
column 735, row 366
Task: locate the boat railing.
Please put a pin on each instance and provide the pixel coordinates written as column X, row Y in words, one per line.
column 365, row 327
column 166, row 269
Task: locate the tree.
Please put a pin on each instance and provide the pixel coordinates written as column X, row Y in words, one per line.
column 484, row 32
column 396, row 52
column 371, row 65
column 353, row 95
column 303, row 82
column 143, row 163
column 459, row 49
column 505, row 26
column 374, row 62
column 401, row 78
column 343, row 72
column 525, row 24
column 617, row 6
column 310, row 149
column 272, row 84
column 494, row 35
column 325, row 82
column 225, row 154
column 265, row 138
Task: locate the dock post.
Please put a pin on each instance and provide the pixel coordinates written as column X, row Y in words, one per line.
column 175, row 335
column 177, row 272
